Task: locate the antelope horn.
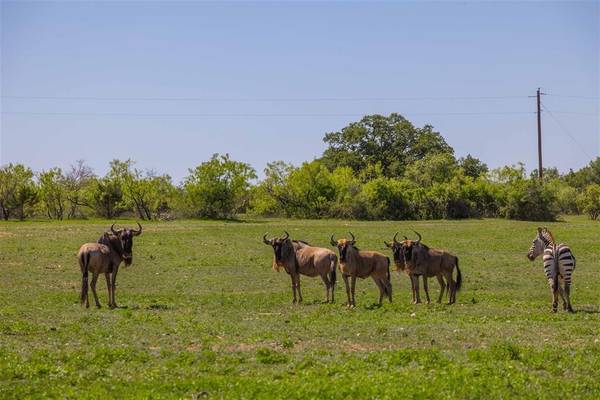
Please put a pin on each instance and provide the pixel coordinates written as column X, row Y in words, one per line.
column 332, row 241
column 265, row 239
column 405, row 238
column 395, row 236
column 287, row 235
column 419, row 235
column 139, row 231
column 112, row 229
column 353, row 238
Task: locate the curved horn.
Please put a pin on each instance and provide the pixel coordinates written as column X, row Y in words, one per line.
column 112, row 229
column 395, row 236
column 353, row 238
column 265, row 239
column 139, row 231
column 419, row 235
column 332, row 241
column 405, row 238
column 287, row 235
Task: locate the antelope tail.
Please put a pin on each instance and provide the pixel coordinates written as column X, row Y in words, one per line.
column 84, row 261
column 332, row 268
column 388, row 269
column 458, row 276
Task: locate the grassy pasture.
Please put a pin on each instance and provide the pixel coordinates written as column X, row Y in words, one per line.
column 204, row 315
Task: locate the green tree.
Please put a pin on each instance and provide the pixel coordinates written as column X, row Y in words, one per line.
column 269, row 197
column 392, row 142
column 147, row 194
column 433, row 168
column 530, row 200
column 585, row 176
column 18, row 193
column 308, row 191
column 472, row 166
column 589, row 201
column 105, row 197
column 218, row 188
column 53, row 192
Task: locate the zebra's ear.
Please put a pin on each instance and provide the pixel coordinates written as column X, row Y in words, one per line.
column 539, row 229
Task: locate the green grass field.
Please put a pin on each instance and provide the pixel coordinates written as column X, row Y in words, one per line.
column 204, row 315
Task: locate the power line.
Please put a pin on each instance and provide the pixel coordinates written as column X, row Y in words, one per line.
column 217, row 115
column 566, row 131
column 260, row 99
column 575, row 97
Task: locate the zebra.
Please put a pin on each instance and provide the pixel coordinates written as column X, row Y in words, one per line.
column 555, row 268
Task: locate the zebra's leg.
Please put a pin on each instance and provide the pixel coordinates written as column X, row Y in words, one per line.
column 568, row 296
column 554, row 290
column 562, row 296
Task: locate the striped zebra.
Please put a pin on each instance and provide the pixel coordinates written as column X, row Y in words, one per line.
column 559, row 263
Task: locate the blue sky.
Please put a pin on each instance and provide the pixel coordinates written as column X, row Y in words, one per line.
column 169, row 84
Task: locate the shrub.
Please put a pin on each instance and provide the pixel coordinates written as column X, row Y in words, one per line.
column 589, row 201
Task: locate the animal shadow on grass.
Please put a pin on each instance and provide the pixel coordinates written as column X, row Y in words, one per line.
column 373, row 306
column 159, row 307
column 587, row 309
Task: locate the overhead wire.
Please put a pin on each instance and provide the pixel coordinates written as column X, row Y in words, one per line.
column 565, row 130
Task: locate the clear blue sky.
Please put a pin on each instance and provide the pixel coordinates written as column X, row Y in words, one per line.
column 265, row 81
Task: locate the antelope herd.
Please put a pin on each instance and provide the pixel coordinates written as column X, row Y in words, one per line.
column 298, row 257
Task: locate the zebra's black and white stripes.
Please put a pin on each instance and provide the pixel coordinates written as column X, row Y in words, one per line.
column 559, row 264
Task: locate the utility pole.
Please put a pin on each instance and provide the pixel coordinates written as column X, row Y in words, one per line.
column 539, row 132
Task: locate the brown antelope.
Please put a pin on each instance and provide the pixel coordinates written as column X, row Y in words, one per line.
column 355, row 263
column 421, row 260
column 400, row 263
column 300, row 258
column 105, row 257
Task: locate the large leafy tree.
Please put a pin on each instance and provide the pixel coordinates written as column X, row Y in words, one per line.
column 472, row 166
column 18, row 192
column 218, row 188
column 53, row 192
column 393, row 142
column 147, row 194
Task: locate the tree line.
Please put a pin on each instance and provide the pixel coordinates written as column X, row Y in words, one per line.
column 381, row 167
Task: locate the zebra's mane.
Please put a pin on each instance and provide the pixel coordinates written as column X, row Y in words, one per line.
column 547, row 237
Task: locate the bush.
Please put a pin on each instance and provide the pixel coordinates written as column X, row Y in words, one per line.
column 529, row 200
column 218, row 188
column 589, row 201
